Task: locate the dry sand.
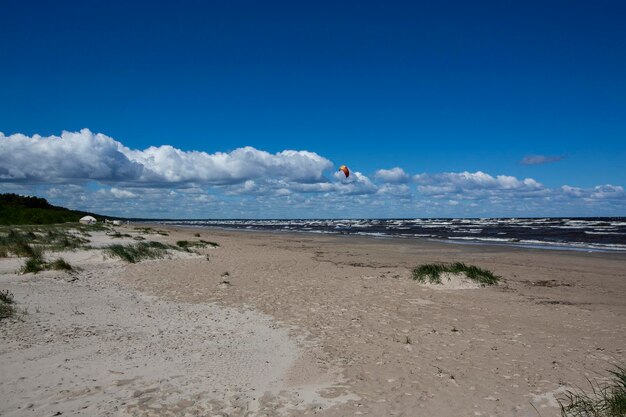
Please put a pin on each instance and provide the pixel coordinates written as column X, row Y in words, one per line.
column 303, row 325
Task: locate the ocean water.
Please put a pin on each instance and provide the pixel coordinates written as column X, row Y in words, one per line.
column 590, row 234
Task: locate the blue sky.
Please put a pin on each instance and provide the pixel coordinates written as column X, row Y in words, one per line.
column 436, row 89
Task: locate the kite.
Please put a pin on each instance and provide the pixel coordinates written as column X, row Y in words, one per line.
column 345, row 170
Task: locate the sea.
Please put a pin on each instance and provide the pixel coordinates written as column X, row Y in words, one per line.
column 606, row 234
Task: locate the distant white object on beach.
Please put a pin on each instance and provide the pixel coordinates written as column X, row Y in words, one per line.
column 117, row 222
column 88, row 220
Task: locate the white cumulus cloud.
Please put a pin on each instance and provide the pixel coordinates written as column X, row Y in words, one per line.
column 79, row 156
column 393, row 176
column 607, row 191
column 461, row 182
column 66, row 158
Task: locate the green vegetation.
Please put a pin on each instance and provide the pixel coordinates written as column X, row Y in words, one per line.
column 37, row 264
column 138, row 251
column 6, row 304
column 187, row 245
column 6, row 297
column 432, row 273
column 34, row 265
column 151, row 231
column 118, row 235
column 16, row 209
column 60, row 264
column 605, row 400
column 31, row 241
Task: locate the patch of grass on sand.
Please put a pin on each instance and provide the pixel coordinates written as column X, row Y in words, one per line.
column 432, row 273
column 37, row 264
column 34, row 265
column 187, row 245
column 6, row 297
column 60, row 264
column 138, row 251
column 25, row 240
column 604, row 400
column 151, row 231
column 17, row 242
column 118, row 235
column 6, row 304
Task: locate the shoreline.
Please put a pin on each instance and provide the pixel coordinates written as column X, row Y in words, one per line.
column 391, row 239
column 572, row 246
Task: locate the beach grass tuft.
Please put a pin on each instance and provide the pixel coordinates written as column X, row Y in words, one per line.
column 6, row 304
column 138, row 251
column 151, row 231
column 6, row 297
column 37, row 264
column 33, row 265
column 118, row 235
column 60, row 264
column 432, row 273
column 604, row 400
column 187, row 245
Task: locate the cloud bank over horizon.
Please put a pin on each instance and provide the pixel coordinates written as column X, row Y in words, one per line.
column 92, row 171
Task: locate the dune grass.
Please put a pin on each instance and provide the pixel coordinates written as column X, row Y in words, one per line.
column 17, row 243
column 32, row 241
column 432, row 273
column 60, row 264
column 118, row 235
column 37, row 264
column 6, row 297
column 33, row 265
column 6, row 304
column 604, row 400
column 187, row 245
column 151, row 231
column 26, row 240
column 133, row 253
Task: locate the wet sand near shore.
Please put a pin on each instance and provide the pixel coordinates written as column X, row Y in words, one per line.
column 358, row 335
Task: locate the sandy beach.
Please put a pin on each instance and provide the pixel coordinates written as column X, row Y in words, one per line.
column 273, row 324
